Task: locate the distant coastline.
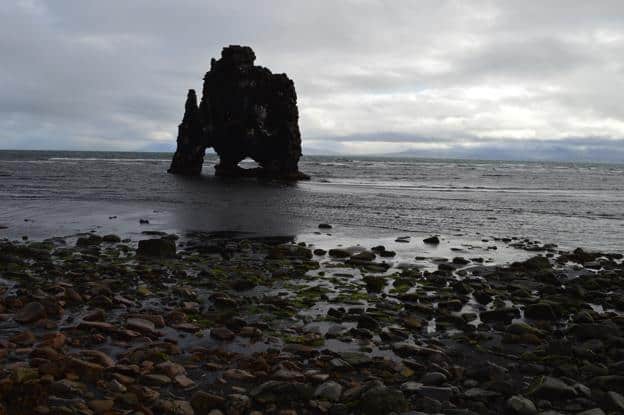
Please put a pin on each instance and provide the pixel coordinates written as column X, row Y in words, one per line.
column 9, row 153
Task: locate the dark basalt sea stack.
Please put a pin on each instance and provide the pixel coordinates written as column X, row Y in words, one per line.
column 245, row 111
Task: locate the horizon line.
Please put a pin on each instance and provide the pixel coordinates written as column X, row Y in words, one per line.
column 380, row 155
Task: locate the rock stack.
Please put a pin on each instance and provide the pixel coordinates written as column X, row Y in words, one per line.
column 245, row 111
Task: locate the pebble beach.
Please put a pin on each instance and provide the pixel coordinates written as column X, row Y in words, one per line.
column 229, row 323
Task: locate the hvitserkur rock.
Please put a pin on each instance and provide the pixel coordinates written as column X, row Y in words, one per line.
column 245, row 111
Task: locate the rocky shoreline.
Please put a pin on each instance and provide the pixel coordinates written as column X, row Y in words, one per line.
column 220, row 323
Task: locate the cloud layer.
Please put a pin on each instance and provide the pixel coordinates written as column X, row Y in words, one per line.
column 445, row 78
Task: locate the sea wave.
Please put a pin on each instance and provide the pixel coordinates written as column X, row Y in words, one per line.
column 106, row 159
column 407, row 185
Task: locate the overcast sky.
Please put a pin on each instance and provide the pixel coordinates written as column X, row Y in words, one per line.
column 493, row 79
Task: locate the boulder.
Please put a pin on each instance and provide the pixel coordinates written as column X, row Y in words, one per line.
column 540, row 311
column 537, row 263
column 615, row 401
column 89, row 240
column 364, row 256
column 275, row 391
column 203, row 401
column 329, row 391
column 552, row 389
column 339, row 253
column 594, row 411
column 433, row 378
column 157, row 248
column 111, row 238
column 432, row 240
column 374, row 284
column 376, row 398
column 30, row 313
column 506, row 315
column 290, row 251
column 222, row 333
column 521, row 406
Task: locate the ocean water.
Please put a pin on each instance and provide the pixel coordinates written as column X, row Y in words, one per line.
column 46, row 193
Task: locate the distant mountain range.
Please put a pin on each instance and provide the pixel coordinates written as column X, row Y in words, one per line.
column 559, row 154
column 521, row 152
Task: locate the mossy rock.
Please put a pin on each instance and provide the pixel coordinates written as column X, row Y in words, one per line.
column 111, row 238
column 290, row 251
column 89, row 240
column 382, row 400
column 157, row 248
column 374, row 284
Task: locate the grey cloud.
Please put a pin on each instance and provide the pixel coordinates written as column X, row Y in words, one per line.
column 466, row 75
